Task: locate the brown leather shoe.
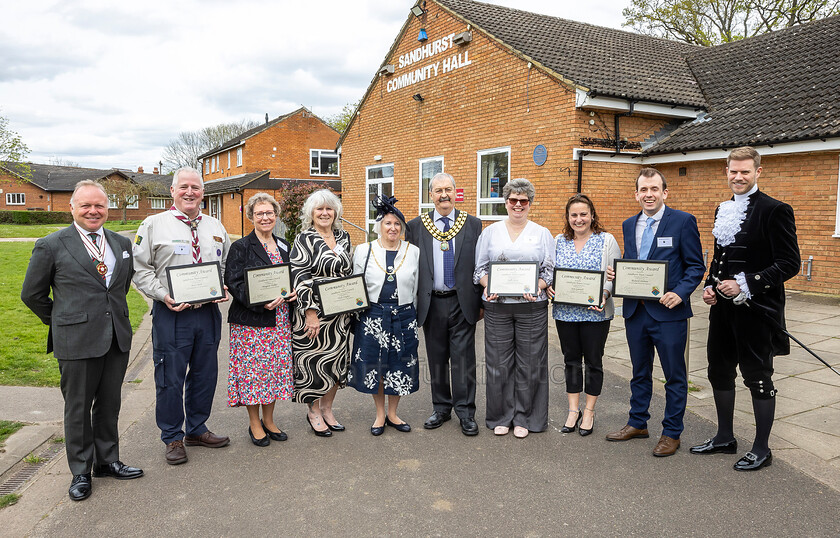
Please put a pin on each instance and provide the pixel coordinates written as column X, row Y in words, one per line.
column 666, row 446
column 626, row 433
column 208, row 439
column 176, row 453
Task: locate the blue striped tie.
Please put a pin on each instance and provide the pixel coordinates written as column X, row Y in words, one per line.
column 448, row 259
column 647, row 239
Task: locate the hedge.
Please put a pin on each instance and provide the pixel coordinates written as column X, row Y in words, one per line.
column 35, row 217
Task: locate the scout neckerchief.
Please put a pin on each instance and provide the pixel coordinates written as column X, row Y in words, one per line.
column 96, row 252
column 443, row 237
column 193, row 224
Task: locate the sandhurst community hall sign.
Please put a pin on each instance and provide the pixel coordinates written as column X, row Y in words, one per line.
column 425, row 52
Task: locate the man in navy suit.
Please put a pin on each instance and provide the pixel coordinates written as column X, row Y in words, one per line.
column 660, row 233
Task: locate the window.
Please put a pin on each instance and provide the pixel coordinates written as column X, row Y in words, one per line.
column 212, row 164
column 15, row 198
column 206, row 167
column 114, row 202
column 239, row 157
column 228, row 160
column 380, row 180
column 159, row 203
column 428, row 168
column 493, row 175
column 323, row 162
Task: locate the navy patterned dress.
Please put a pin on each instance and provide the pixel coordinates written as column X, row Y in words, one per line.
column 385, row 343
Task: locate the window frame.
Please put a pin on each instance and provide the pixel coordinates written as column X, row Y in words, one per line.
column 426, row 206
column 376, row 181
column 493, row 201
column 238, row 157
column 337, row 162
column 164, row 202
column 13, row 195
column 113, row 202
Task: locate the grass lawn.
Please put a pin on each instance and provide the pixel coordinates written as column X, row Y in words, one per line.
column 22, row 357
column 7, row 428
column 40, row 230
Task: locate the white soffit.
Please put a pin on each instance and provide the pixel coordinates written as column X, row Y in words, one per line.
column 583, row 100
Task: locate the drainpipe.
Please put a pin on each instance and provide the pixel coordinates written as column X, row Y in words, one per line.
column 581, row 154
column 617, row 128
column 242, row 212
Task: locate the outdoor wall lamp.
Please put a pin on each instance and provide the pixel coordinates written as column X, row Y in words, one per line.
column 417, row 97
column 418, row 11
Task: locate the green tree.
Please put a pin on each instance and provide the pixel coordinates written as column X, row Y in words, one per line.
column 185, row 148
column 340, row 121
column 712, row 22
column 124, row 193
column 291, row 204
column 12, row 148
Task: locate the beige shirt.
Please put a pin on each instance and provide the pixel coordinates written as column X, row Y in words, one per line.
column 164, row 241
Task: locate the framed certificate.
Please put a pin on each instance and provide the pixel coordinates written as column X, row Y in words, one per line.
column 640, row 279
column 264, row 284
column 195, row 283
column 512, row 279
column 580, row 287
column 342, row 295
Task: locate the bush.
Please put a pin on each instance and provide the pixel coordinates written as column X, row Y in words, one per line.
column 35, row 217
column 291, row 204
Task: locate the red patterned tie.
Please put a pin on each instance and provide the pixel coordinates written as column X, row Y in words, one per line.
column 193, row 224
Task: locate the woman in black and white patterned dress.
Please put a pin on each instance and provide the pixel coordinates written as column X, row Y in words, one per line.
column 320, row 346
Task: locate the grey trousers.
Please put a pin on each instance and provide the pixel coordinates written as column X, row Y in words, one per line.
column 516, row 358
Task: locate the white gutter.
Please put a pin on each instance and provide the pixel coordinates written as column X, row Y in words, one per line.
column 583, row 100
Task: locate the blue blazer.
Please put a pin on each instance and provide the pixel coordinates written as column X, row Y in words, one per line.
column 684, row 256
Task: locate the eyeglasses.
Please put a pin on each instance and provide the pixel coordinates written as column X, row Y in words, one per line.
column 265, row 215
column 519, row 201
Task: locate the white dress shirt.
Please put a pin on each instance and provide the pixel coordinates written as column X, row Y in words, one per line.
column 438, row 253
column 110, row 260
column 641, row 224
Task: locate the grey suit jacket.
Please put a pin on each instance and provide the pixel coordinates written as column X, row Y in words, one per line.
column 469, row 295
column 82, row 311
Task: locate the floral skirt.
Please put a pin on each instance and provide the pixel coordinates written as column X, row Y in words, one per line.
column 385, row 347
column 260, row 369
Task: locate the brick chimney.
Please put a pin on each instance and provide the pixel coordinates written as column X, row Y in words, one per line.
column 139, row 169
column 156, row 171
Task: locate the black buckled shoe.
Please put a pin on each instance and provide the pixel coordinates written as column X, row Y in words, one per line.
column 436, row 420
column 80, row 487
column 751, row 462
column 118, row 470
column 710, row 448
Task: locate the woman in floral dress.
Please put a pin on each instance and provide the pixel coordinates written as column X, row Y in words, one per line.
column 384, row 360
column 260, row 370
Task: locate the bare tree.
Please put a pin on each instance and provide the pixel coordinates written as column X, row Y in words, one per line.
column 60, row 161
column 184, row 149
column 124, row 193
column 712, row 22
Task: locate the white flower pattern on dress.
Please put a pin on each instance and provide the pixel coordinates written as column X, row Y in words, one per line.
column 370, row 380
column 398, row 382
column 373, row 326
column 413, row 327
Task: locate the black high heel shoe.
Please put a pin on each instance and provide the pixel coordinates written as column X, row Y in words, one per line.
column 337, row 427
column 570, row 429
column 325, row 433
column 275, row 436
column 265, row 441
column 583, row 431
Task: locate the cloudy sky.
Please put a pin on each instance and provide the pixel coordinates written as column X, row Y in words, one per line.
column 106, row 84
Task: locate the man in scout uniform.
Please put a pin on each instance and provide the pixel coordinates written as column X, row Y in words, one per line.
column 185, row 337
column 448, row 303
column 88, row 269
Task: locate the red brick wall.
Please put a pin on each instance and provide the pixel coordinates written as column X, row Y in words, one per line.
column 35, row 197
column 492, row 103
column 292, row 138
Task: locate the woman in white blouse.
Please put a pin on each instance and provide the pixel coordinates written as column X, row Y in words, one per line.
column 515, row 328
column 384, row 360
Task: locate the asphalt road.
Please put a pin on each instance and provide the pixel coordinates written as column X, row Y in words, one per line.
column 441, row 482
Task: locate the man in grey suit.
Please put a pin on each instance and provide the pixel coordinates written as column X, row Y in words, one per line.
column 89, row 270
column 448, row 303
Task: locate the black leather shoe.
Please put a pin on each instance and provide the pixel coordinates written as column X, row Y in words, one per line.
column 80, row 487
column 263, row 441
column 404, row 427
column 469, row 427
column 710, row 448
column 436, row 420
column 570, row 429
column 337, row 427
column 325, row 433
column 275, row 436
column 377, row 430
column 118, row 470
column 586, row 431
column 751, row 462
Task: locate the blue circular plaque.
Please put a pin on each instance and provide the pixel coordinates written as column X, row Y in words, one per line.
column 540, row 155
